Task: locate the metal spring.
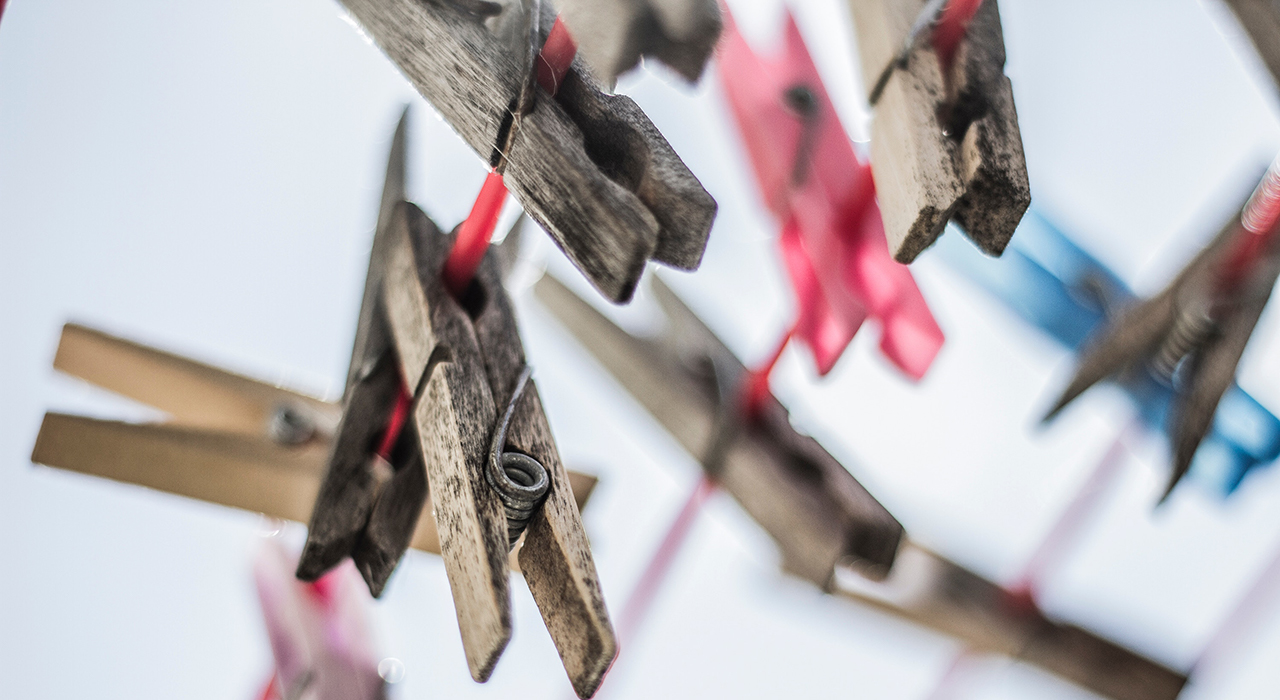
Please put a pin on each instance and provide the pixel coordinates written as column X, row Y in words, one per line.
column 289, row 426
column 520, row 481
column 1192, row 327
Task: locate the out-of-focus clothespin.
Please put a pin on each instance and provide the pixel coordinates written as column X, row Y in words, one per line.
column 808, row 502
column 1191, row 335
column 227, row 439
column 945, row 143
column 613, row 35
column 1053, row 284
column 823, row 195
column 829, row 530
column 438, row 380
column 588, row 167
column 319, row 631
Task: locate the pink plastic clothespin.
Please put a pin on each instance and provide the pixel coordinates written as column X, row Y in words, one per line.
column 319, row 632
column 833, row 240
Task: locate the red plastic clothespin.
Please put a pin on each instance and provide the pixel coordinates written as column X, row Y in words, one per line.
column 833, row 240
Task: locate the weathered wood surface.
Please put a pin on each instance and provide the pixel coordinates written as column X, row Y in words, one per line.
column 809, row 504
column 367, row 508
column 612, row 193
column 942, row 146
column 1261, row 20
column 613, row 35
column 939, row 594
column 463, row 359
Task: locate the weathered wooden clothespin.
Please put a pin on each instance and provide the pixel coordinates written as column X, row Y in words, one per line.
column 447, row 366
column 809, row 504
column 319, row 632
column 228, row 439
column 833, row 238
column 1261, row 20
column 1056, row 286
column 613, row 35
column 829, row 529
column 588, row 167
column 945, row 142
column 1191, row 335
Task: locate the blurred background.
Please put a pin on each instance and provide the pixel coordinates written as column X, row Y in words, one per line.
column 204, row 177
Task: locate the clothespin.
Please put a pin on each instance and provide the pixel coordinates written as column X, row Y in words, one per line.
column 830, row 531
column 588, row 167
column 933, row 591
column 1059, row 288
column 833, row 238
column 613, row 36
column 319, row 631
column 808, row 502
column 945, row 143
column 1192, row 334
column 228, row 439
column 447, row 364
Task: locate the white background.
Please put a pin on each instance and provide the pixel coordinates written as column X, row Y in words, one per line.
column 204, row 176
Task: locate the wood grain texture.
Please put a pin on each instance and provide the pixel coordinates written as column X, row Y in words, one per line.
column 942, row 145
column 809, row 504
column 613, row 35
column 932, row 591
column 565, row 175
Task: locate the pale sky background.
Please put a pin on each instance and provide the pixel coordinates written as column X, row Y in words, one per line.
column 204, row 177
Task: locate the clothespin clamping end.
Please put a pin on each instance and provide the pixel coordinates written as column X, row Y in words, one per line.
column 1191, row 335
column 945, row 143
column 614, row 36
column 439, row 399
column 588, row 167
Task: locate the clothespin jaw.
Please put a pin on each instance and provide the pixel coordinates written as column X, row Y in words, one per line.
column 1261, row 20
column 614, row 35
column 809, row 504
column 945, row 142
column 588, row 167
column 1191, row 335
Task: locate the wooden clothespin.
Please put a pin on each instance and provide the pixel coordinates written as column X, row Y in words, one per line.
column 937, row 593
column 1059, row 288
column 1190, row 336
column 613, row 35
column 808, row 502
column 228, row 439
column 447, row 364
column 945, row 142
column 829, row 529
column 821, row 192
column 588, row 167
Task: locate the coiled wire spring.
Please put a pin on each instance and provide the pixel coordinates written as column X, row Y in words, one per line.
column 1191, row 329
column 520, row 481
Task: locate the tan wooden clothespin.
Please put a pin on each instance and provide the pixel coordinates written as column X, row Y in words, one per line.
column 945, row 143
